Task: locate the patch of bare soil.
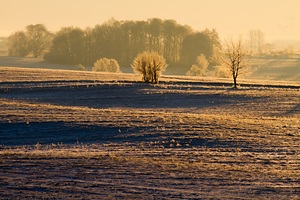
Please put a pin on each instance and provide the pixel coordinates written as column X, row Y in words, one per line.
column 76, row 135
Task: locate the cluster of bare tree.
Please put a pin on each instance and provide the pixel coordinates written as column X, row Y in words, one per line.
column 256, row 42
column 34, row 41
column 114, row 42
column 119, row 40
column 150, row 65
column 256, row 46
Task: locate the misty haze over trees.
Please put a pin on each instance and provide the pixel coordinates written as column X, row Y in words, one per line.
column 35, row 40
column 120, row 40
column 186, row 51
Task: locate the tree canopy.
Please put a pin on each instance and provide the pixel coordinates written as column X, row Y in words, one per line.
column 123, row 40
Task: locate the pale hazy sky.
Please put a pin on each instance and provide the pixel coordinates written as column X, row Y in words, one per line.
column 278, row 19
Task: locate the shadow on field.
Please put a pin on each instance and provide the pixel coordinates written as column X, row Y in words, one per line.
column 54, row 132
column 294, row 110
column 132, row 95
column 107, row 95
column 48, row 133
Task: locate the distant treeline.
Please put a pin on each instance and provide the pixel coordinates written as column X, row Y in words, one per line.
column 123, row 40
column 3, row 45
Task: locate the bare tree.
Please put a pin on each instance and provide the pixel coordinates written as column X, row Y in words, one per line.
column 35, row 40
column 39, row 39
column 199, row 68
column 234, row 58
column 67, row 47
column 150, row 65
column 18, row 44
column 256, row 41
column 106, row 65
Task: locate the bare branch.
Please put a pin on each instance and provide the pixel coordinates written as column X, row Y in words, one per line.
column 234, row 57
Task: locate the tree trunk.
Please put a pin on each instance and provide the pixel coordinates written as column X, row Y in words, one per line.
column 234, row 82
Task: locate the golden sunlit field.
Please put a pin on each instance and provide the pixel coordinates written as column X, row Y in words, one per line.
column 83, row 135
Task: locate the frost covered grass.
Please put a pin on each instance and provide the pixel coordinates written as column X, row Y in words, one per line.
column 82, row 135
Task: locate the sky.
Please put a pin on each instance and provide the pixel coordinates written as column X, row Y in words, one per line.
column 277, row 19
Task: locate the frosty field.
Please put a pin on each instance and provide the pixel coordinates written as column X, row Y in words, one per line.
column 83, row 135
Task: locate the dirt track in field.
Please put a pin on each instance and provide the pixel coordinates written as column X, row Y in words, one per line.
column 75, row 135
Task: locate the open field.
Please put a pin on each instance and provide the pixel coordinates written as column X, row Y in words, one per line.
column 82, row 135
column 272, row 69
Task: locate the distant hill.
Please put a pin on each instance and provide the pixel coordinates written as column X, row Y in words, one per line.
column 275, row 69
